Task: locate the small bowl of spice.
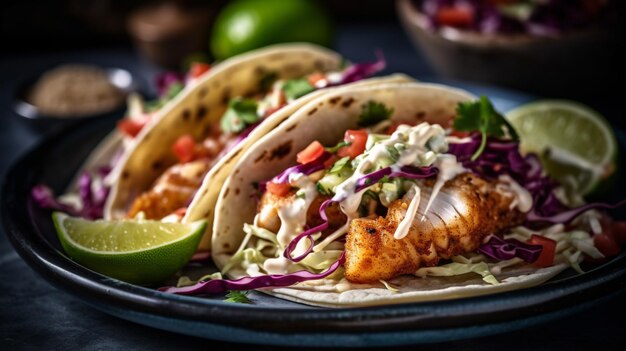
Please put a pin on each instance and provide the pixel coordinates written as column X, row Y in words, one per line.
column 73, row 92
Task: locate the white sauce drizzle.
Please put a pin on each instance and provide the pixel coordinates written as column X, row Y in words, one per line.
column 448, row 169
column 293, row 215
column 523, row 200
column 405, row 224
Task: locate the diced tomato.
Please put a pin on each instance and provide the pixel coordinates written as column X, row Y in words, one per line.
column 310, row 153
column 184, row 148
column 546, row 258
column 181, row 212
column 392, row 128
column 278, row 189
column 316, row 77
column 618, row 228
column 455, row 16
column 331, row 161
column 131, row 127
column 606, row 243
column 198, row 68
column 358, row 139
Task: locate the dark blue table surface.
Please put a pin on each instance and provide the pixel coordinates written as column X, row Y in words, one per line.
column 35, row 315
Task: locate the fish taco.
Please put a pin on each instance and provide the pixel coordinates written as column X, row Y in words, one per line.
column 175, row 171
column 392, row 193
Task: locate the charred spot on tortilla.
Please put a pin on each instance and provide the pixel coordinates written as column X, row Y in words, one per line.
column 226, row 95
column 226, row 191
column 334, row 100
column 202, row 92
column 292, row 127
column 259, row 70
column 293, row 68
column 420, row 115
column 347, row 103
column 281, row 150
column 186, row 115
column 206, row 214
column 201, row 112
column 230, row 159
column 260, row 157
column 206, row 129
column 312, row 111
column 237, row 191
column 226, row 246
column 276, row 56
column 157, row 165
column 319, row 64
column 125, row 175
column 236, row 171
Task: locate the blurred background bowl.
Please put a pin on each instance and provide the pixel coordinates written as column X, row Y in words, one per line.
column 30, row 115
column 573, row 61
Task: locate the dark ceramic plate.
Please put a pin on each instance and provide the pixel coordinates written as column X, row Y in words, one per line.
column 270, row 320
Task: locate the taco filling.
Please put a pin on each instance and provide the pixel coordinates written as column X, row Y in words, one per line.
column 172, row 192
column 391, row 200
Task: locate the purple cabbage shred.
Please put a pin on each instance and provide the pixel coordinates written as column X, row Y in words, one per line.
column 361, row 71
column 501, row 249
column 544, row 18
column 92, row 197
column 503, row 157
column 218, row 286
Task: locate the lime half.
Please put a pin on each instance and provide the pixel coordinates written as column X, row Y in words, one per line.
column 576, row 144
column 139, row 251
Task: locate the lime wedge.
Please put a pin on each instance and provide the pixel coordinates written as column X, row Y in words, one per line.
column 576, row 144
column 138, row 251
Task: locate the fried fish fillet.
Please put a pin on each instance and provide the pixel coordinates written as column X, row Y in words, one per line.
column 463, row 213
column 171, row 191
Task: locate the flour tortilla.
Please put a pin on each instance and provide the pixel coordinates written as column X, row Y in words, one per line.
column 199, row 107
column 325, row 119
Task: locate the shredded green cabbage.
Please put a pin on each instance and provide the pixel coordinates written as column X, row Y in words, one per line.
column 454, row 268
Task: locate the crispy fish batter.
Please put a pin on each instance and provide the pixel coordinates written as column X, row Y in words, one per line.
column 466, row 210
column 270, row 203
column 171, row 191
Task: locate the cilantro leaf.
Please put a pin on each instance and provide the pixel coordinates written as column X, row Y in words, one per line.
column 237, row 297
column 240, row 114
column 295, row 88
column 374, row 112
column 339, row 145
column 481, row 116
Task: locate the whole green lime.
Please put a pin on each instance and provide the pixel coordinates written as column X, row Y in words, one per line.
column 245, row 25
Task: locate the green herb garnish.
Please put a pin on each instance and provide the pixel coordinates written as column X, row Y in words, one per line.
column 481, row 116
column 237, row 297
column 240, row 114
column 322, row 190
column 339, row 165
column 336, row 148
column 295, row 88
column 374, row 112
